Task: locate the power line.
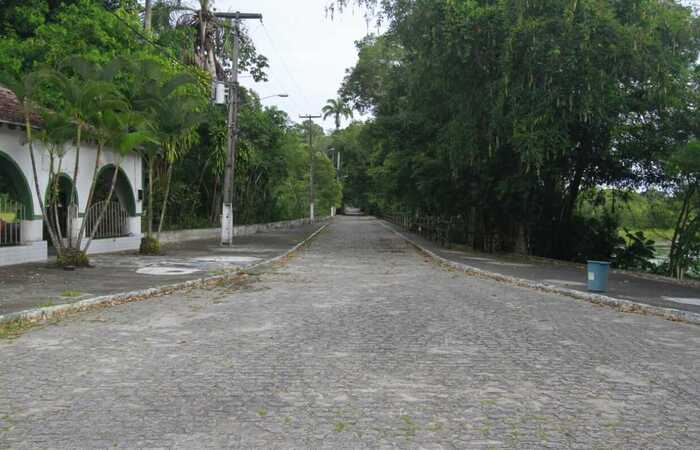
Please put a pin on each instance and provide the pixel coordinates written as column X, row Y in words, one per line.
column 166, row 51
column 284, row 65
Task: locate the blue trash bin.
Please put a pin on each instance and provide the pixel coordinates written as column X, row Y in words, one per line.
column 598, row 275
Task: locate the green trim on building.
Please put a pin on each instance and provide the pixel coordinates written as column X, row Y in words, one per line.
column 20, row 183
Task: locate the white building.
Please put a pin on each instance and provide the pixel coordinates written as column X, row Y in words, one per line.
column 23, row 237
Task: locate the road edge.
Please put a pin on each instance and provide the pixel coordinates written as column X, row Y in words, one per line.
column 621, row 305
column 37, row 315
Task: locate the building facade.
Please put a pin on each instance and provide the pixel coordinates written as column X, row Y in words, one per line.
column 23, row 234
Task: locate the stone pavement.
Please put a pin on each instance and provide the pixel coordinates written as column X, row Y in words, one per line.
column 641, row 288
column 41, row 284
column 358, row 342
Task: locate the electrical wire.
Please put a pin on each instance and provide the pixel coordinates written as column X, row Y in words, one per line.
column 165, row 51
column 285, row 66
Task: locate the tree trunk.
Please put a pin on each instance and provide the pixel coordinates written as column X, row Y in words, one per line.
column 104, row 209
column 147, row 15
column 90, row 194
column 74, row 190
column 151, row 162
column 673, row 266
column 165, row 197
column 53, row 177
column 56, row 243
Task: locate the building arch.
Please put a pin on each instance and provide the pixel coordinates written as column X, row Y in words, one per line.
column 12, row 178
column 58, row 210
column 123, row 190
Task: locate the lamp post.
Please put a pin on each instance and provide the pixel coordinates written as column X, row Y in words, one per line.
column 276, row 95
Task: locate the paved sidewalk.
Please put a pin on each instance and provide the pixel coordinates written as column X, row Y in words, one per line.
column 621, row 285
column 28, row 286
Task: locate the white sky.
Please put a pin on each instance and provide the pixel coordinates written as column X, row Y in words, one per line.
column 307, row 51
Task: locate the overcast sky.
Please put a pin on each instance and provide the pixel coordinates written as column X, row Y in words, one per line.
column 307, row 51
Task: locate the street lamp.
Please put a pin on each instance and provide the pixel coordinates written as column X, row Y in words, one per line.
column 276, row 95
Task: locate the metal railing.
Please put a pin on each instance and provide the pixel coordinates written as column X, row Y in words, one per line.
column 114, row 221
column 11, row 216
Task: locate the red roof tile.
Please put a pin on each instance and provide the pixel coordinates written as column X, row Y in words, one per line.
column 10, row 110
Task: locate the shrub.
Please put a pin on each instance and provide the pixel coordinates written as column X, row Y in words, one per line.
column 149, row 246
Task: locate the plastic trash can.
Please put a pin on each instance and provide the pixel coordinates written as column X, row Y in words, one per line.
column 598, row 275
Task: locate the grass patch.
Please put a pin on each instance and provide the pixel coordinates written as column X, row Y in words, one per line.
column 409, row 426
column 435, row 427
column 13, row 330
column 262, row 412
column 71, row 294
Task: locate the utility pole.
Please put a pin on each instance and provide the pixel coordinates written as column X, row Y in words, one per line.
column 312, row 193
column 234, row 20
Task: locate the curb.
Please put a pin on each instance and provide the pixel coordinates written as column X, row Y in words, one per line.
column 42, row 314
column 598, row 299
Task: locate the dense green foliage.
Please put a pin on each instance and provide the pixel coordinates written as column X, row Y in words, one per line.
column 185, row 154
column 505, row 112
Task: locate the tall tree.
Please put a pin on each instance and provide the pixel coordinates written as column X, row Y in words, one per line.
column 504, row 112
column 337, row 108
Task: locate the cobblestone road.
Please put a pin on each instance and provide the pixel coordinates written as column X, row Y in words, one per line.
column 358, row 342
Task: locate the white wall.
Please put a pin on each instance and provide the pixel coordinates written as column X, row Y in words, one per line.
column 12, row 143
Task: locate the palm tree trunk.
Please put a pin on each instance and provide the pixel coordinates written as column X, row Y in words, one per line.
column 58, row 245
column 74, row 190
column 53, row 176
column 106, row 205
column 91, row 193
column 165, row 197
column 151, row 162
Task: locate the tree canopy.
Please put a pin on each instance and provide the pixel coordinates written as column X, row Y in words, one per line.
column 504, row 112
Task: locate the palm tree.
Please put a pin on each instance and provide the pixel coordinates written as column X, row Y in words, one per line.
column 88, row 96
column 175, row 129
column 123, row 131
column 337, row 108
column 209, row 32
column 172, row 115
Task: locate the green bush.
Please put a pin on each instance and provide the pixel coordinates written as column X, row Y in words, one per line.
column 73, row 258
column 635, row 251
column 149, row 246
